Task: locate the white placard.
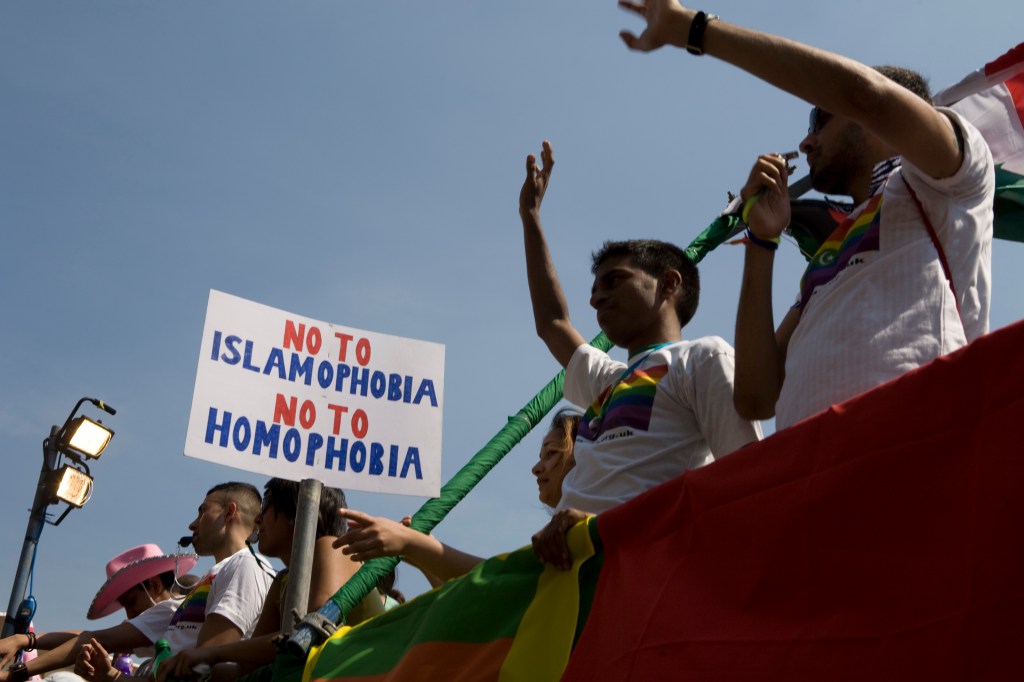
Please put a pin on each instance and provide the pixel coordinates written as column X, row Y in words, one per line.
column 288, row 396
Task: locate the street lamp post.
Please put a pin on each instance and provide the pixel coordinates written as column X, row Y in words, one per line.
column 78, row 438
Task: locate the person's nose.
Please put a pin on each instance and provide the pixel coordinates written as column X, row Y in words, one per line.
column 807, row 144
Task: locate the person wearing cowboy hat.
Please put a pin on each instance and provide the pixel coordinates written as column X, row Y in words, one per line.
column 140, row 581
column 224, row 605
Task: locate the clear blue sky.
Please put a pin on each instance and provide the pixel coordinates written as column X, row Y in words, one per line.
column 359, row 163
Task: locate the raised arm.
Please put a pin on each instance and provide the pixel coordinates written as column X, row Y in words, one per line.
column 760, row 349
column 841, row 86
column 550, row 311
column 371, row 537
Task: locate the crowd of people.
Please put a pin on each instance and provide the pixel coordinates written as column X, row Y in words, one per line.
column 904, row 279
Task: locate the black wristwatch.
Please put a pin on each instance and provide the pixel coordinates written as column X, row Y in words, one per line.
column 18, row 673
column 695, row 41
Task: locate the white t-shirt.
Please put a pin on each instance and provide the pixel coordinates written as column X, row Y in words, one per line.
column 234, row 588
column 890, row 309
column 153, row 622
column 672, row 411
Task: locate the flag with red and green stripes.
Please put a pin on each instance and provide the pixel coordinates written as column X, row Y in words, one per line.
column 992, row 98
column 878, row 540
column 510, row 619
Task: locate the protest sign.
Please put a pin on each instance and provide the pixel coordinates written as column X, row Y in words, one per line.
column 287, row 396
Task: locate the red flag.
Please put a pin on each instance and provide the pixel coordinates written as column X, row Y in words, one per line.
column 880, row 540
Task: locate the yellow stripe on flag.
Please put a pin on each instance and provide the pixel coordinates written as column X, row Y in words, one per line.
column 543, row 641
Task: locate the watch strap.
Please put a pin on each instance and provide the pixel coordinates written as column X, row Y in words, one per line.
column 695, row 41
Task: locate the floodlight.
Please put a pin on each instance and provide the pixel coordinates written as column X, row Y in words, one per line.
column 86, row 437
column 79, row 439
column 73, row 486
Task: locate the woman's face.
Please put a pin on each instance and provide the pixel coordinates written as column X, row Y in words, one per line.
column 552, row 465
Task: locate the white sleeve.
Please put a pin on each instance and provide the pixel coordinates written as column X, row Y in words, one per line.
column 710, row 387
column 153, row 622
column 238, row 592
column 974, row 177
column 589, row 372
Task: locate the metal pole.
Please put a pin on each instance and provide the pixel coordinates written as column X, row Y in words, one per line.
column 36, row 521
column 300, row 566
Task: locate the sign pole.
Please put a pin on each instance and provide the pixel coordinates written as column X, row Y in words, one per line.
column 301, row 565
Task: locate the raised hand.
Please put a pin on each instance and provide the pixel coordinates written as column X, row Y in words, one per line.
column 667, row 24
column 536, row 183
column 768, row 187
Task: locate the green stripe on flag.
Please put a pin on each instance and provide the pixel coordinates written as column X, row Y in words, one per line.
column 1009, row 205
column 513, row 617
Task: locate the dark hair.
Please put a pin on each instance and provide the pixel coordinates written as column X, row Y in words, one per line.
column 167, row 578
column 283, row 496
column 245, row 496
column 386, row 586
column 656, row 258
column 909, row 79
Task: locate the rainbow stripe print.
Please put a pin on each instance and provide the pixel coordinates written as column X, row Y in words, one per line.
column 627, row 403
column 193, row 608
column 856, row 234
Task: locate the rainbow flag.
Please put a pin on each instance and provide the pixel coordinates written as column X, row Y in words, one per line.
column 510, row 619
column 857, row 233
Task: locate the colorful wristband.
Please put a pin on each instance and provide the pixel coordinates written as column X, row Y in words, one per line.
column 747, row 206
column 769, row 244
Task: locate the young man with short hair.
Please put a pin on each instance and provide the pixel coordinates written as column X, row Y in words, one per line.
column 668, row 409
column 225, row 604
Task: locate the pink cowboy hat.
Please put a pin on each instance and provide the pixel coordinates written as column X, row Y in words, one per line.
column 131, row 567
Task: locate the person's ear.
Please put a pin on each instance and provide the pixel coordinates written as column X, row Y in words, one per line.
column 671, row 282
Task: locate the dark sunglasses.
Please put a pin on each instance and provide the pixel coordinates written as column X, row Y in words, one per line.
column 819, row 118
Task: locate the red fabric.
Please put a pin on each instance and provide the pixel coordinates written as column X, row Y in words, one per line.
column 1013, row 56
column 880, row 540
column 1016, row 87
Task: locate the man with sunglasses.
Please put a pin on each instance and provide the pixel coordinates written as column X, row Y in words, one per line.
column 906, row 278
